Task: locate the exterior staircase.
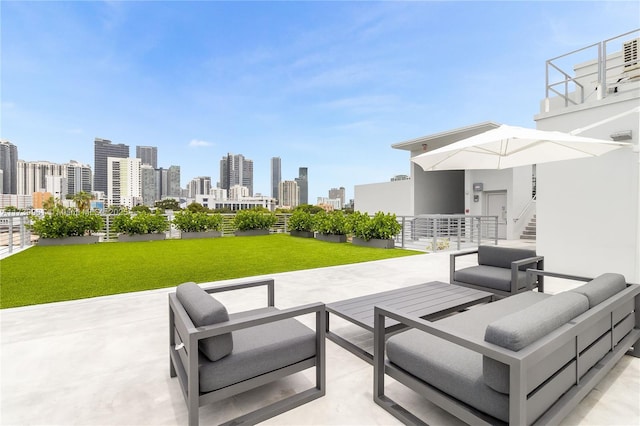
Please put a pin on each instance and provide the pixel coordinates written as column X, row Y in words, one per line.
column 529, row 232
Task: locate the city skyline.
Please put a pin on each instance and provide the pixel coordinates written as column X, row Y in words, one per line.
column 328, row 86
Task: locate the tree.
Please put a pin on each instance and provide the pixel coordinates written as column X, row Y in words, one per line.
column 51, row 204
column 83, row 200
column 141, row 208
column 196, row 208
column 168, row 204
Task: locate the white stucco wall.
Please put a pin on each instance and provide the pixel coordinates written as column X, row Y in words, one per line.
column 389, row 197
column 440, row 192
column 588, row 213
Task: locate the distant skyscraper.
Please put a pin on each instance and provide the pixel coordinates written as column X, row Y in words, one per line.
column 303, row 184
column 78, row 178
column 102, row 150
column 337, row 194
column 9, row 167
column 199, row 186
column 236, row 170
column 148, row 155
column 34, row 176
column 148, row 185
column 123, row 181
column 290, row 193
column 276, row 177
column 173, row 182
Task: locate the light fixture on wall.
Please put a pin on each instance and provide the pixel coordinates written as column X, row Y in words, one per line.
column 621, row 136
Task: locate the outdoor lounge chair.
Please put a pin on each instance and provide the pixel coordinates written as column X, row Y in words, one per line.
column 216, row 355
column 500, row 270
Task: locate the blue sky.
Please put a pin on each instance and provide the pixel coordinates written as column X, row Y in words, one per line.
column 324, row 85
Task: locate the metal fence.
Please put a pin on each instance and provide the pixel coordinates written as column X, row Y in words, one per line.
column 446, row 232
column 424, row 232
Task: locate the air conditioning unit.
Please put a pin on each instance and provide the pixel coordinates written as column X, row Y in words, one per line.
column 630, row 51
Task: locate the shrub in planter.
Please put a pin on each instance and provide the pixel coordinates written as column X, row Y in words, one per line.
column 57, row 224
column 141, row 223
column 249, row 220
column 188, row 221
column 379, row 227
column 301, row 223
column 334, row 222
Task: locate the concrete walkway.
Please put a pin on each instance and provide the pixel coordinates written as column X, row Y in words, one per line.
column 104, row 361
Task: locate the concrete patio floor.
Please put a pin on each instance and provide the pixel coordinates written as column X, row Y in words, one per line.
column 104, row 361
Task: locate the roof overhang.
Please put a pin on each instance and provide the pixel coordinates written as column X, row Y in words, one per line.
column 438, row 140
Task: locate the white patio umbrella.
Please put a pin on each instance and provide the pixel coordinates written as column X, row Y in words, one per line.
column 510, row 146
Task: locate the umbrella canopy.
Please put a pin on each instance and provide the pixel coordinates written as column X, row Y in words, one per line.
column 509, row 146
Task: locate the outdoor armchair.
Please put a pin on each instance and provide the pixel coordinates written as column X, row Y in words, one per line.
column 500, row 270
column 217, row 355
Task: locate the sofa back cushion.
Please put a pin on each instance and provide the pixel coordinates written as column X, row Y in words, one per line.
column 503, row 256
column 205, row 310
column 601, row 288
column 518, row 330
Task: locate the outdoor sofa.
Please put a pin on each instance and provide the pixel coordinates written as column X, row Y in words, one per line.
column 217, row 355
column 500, row 270
column 526, row 359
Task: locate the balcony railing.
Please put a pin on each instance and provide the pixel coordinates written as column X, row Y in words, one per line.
column 425, row 232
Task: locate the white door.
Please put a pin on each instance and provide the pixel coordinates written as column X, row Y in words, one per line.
column 497, row 206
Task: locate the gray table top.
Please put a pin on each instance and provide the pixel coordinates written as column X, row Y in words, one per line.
column 427, row 300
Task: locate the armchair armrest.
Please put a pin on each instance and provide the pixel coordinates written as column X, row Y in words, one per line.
column 531, row 273
column 530, row 280
column 270, row 283
column 452, row 262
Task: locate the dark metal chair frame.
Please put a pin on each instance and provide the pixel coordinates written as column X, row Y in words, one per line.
column 536, row 262
column 517, row 361
column 183, row 343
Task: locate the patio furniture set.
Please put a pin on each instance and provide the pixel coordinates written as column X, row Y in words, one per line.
column 485, row 347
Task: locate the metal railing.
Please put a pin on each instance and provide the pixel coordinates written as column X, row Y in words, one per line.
column 423, row 232
column 14, row 232
column 567, row 85
column 446, row 232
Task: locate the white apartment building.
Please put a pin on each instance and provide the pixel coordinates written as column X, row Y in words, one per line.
column 335, row 203
column 289, row 194
column 238, row 192
column 124, row 181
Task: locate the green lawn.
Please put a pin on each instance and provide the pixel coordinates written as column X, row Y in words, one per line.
column 53, row 274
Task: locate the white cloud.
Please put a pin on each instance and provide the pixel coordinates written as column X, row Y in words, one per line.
column 197, row 143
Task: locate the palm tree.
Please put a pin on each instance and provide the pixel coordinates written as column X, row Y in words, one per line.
column 82, row 200
column 51, row 204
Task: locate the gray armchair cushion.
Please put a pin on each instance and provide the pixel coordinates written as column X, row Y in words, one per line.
column 204, row 310
column 259, row 350
column 518, row 330
column 503, row 256
column 453, row 369
column 601, row 288
column 490, row 277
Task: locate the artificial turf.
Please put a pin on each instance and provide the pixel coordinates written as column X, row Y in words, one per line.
column 53, row 274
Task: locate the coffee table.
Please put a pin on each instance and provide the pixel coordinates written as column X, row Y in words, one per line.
column 429, row 301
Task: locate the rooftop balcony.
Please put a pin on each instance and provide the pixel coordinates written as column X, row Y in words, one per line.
column 104, row 361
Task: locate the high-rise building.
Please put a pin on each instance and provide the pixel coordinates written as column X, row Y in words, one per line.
column 173, row 182
column 103, row 149
column 290, row 193
column 148, row 184
column 123, row 181
column 337, row 193
column 200, row 185
column 303, row 185
column 148, row 155
column 276, row 177
column 9, row 167
column 78, row 178
column 236, row 170
column 34, row 176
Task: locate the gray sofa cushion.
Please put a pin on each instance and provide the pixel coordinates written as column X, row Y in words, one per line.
column 503, row 256
column 518, row 330
column 601, row 288
column 454, row 370
column 204, row 310
column 490, row 277
column 259, row 350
